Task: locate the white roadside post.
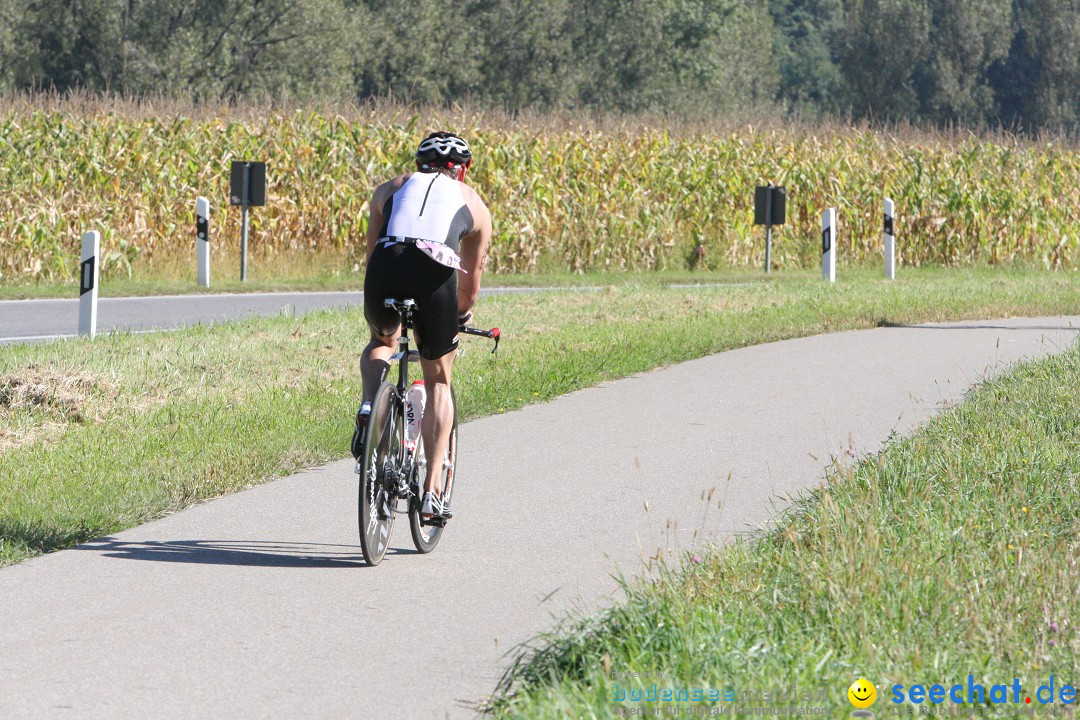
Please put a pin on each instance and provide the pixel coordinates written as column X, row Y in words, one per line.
column 202, row 225
column 88, row 282
column 828, row 245
column 889, row 237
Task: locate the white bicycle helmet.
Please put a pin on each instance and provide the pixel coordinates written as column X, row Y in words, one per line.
column 442, row 149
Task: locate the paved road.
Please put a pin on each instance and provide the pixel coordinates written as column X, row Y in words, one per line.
column 37, row 320
column 258, row 605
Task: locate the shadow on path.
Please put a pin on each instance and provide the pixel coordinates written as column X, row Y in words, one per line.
column 1049, row 328
column 252, row 553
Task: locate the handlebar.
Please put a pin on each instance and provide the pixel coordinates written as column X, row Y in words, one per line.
column 492, row 334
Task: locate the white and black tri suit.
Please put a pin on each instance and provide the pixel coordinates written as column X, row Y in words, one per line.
column 416, row 257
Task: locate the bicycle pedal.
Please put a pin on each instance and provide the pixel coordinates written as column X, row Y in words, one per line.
column 440, row 520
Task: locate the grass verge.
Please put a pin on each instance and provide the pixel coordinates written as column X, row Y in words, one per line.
column 320, row 273
column 954, row 552
column 98, row 436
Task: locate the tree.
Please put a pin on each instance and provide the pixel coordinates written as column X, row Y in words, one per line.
column 527, row 57
column 230, row 48
column 70, row 43
column 805, row 32
column 198, row 47
column 1038, row 83
column 680, row 56
column 10, row 18
column 720, row 55
column 966, row 38
column 882, row 42
column 421, row 50
column 1051, row 31
column 970, row 61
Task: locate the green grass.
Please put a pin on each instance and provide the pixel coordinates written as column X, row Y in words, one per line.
column 320, row 273
column 98, row 436
column 954, row 552
column 325, row 272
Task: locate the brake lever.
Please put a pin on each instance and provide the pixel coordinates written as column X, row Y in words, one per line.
column 494, row 333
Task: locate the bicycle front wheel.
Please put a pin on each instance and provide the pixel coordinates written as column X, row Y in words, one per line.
column 426, row 534
column 383, row 446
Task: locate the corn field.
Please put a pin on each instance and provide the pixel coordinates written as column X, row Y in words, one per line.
column 563, row 197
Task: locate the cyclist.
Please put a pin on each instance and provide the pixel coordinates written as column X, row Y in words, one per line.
column 427, row 239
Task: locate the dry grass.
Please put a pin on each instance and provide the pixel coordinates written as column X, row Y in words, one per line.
column 64, row 393
column 37, row 403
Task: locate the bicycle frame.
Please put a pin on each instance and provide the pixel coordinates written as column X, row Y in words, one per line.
column 407, row 459
column 394, row 471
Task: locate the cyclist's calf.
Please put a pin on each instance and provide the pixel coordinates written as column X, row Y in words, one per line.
column 438, row 416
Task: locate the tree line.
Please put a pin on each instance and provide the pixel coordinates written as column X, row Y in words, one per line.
column 1011, row 63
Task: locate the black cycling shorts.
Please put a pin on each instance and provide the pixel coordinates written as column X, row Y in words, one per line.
column 402, row 271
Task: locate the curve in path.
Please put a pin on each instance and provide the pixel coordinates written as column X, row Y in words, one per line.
column 258, row 604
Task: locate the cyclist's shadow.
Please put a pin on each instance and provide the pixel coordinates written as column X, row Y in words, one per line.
column 252, row 553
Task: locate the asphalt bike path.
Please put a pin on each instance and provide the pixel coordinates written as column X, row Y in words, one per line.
column 259, row 604
column 23, row 321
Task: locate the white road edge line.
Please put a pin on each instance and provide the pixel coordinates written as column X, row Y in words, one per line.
column 35, row 337
column 189, row 296
column 118, row 331
column 338, row 293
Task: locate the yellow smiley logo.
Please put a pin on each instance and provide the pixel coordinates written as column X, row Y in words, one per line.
column 862, row 693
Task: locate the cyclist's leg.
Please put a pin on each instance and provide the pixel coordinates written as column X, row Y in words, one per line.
column 380, row 282
column 385, row 325
column 373, row 363
column 438, row 418
column 375, row 360
column 436, row 332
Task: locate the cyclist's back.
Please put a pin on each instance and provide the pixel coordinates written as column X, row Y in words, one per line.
column 416, row 255
column 428, row 206
column 423, row 228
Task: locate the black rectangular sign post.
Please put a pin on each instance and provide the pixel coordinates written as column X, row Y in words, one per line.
column 770, row 208
column 247, row 188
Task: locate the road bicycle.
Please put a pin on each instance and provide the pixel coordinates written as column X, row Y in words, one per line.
column 391, row 472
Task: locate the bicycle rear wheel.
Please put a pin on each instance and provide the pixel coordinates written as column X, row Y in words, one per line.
column 424, row 534
column 383, row 445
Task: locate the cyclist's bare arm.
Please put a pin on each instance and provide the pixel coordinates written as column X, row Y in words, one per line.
column 473, row 252
column 375, row 209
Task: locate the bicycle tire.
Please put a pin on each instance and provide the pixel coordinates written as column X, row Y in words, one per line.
column 383, row 442
column 426, row 537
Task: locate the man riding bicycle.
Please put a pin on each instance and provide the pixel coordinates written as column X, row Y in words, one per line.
column 424, row 229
